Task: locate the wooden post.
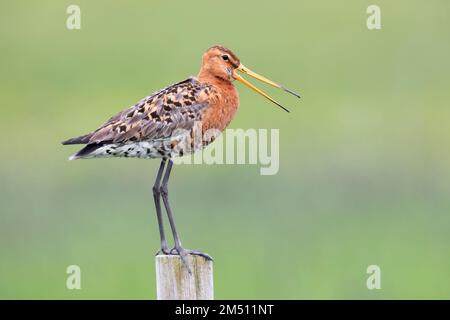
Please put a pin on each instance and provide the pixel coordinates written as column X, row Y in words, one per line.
column 173, row 281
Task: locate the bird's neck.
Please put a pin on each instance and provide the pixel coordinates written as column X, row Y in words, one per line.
column 224, row 102
column 224, row 86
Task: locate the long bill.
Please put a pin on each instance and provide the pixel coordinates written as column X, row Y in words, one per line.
column 249, row 72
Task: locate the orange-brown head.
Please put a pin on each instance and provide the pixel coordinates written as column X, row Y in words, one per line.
column 219, row 62
column 222, row 64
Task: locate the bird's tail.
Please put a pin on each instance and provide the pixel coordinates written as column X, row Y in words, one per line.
column 78, row 140
column 86, row 151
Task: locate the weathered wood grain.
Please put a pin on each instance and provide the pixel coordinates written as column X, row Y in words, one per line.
column 173, row 281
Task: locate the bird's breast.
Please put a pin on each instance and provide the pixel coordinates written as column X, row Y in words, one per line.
column 223, row 105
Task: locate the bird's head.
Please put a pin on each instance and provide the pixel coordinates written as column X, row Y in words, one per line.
column 221, row 63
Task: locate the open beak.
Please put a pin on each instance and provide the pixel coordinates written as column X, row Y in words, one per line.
column 249, row 72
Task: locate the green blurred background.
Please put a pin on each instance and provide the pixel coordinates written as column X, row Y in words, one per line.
column 364, row 155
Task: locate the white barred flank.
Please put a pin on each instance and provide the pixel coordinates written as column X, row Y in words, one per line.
column 161, row 148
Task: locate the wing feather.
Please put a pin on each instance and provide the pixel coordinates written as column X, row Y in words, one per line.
column 158, row 115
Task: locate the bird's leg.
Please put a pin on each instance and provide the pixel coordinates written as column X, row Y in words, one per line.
column 157, row 198
column 178, row 248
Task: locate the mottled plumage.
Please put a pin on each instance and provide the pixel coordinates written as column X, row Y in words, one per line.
column 146, row 130
column 172, row 122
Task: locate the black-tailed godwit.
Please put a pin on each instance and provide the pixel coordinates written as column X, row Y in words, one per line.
column 162, row 126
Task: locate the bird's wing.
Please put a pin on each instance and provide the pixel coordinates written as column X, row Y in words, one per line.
column 158, row 115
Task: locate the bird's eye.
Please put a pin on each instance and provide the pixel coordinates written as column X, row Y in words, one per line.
column 225, row 57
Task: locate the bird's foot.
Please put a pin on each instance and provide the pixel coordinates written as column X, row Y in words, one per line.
column 183, row 253
column 164, row 250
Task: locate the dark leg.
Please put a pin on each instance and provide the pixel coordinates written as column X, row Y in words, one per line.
column 157, row 198
column 165, row 196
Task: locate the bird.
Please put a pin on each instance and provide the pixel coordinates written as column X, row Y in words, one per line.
column 162, row 126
